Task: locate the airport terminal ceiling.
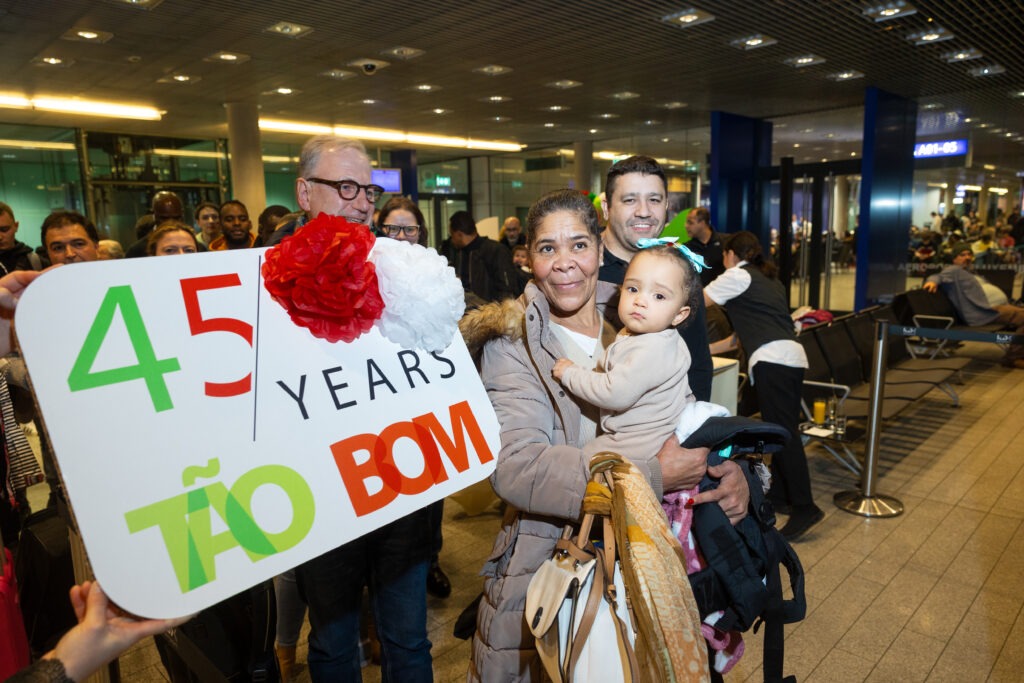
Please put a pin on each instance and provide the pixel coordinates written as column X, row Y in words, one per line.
column 541, row 74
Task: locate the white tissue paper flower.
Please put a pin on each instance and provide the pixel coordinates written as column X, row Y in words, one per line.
column 423, row 299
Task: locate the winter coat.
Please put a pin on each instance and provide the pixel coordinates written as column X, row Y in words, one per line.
column 541, row 472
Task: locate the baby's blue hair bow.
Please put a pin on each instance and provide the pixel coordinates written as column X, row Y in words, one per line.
column 696, row 260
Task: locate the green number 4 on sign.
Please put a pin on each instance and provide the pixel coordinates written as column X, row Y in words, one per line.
column 147, row 366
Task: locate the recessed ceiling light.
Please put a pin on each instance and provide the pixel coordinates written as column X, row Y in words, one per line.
column 288, row 29
column 496, row 99
column 493, row 70
column 935, row 34
column 369, row 101
column 550, row 125
column 593, row 130
column 402, row 52
column 990, row 70
column 564, row 84
column 853, row 154
column 804, row 60
column 338, row 74
column 141, row 4
column 52, row 61
column 440, row 110
column 688, row 17
column 931, row 106
column 962, row 55
column 830, row 136
column 890, row 10
column 1009, row 135
column 847, row 75
column 651, row 122
column 87, row 35
column 227, row 57
column 1017, row 93
column 285, row 91
column 666, row 139
column 500, row 119
column 557, row 107
column 996, row 130
column 796, row 145
column 607, row 115
column 968, row 119
column 674, row 105
column 807, row 130
column 624, row 95
column 753, row 42
column 426, row 87
column 984, row 125
column 182, row 78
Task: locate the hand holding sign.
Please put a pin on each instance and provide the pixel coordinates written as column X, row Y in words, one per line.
column 245, row 445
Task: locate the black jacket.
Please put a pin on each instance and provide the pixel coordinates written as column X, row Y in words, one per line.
column 485, row 268
column 17, row 258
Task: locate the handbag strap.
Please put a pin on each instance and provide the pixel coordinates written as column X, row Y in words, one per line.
column 603, row 588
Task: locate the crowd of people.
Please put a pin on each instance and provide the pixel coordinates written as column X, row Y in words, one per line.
column 591, row 334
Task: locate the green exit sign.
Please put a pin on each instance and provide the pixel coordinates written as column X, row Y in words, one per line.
column 443, row 181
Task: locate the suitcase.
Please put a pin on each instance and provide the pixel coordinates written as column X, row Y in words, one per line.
column 45, row 575
column 230, row 642
column 13, row 642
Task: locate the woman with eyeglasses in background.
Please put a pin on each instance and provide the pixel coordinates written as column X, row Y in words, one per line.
column 401, row 219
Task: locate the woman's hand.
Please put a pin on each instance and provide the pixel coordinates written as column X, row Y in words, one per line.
column 681, row 468
column 560, row 367
column 732, row 494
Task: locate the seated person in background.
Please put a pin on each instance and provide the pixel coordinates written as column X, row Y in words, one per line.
column 236, row 228
column 985, row 247
column 966, row 293
column 642, row 388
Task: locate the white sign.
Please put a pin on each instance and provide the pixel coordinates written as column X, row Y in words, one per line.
column 207, row 443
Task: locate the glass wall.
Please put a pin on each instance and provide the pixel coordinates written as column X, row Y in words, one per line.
column 39, row 172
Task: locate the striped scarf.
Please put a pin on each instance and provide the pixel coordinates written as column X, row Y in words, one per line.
column 21, row 465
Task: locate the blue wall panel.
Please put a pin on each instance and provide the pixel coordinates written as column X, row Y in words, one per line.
column 741, row 156
column 887, row 177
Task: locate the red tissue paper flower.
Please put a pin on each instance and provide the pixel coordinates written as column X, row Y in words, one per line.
column 322, row 277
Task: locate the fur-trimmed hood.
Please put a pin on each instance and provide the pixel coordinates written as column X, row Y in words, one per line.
column 499, row 319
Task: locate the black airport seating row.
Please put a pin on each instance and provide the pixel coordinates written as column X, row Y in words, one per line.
column 840, row 356
column 920, row 308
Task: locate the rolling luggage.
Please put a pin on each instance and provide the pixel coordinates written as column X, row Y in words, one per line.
column 45, row 575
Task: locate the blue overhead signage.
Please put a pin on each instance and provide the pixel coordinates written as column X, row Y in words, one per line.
column 940, row 148
column 388, row 178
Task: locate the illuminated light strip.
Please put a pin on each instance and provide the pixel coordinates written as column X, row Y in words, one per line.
column 998, row 190
column 10, row 101
column 93, row 108
column 37, row 144
column 187, row 153
column 387, row 135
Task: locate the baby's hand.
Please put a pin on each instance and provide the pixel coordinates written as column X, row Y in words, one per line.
column 560, row 366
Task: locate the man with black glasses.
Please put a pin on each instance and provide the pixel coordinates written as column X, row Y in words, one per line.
column 334, row 178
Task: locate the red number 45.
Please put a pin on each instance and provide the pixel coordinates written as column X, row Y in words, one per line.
column 197, row 325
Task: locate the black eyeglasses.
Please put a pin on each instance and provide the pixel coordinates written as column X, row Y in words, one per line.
column 349, row 189
column 394, row 230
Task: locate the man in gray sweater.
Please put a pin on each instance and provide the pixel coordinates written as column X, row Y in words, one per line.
column 968, row 298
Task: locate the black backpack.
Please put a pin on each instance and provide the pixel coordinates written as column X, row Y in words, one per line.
column 742, row 577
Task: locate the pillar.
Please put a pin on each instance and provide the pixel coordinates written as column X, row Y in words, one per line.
column 741, row 153
column 886, row 196
column 246, row 157
column 583, row 162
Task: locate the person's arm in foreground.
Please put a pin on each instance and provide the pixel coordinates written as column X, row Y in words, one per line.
column 11, row 287
column 683, row 468
column 101, row 634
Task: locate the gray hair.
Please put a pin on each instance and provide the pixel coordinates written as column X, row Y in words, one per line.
column 317, row 145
